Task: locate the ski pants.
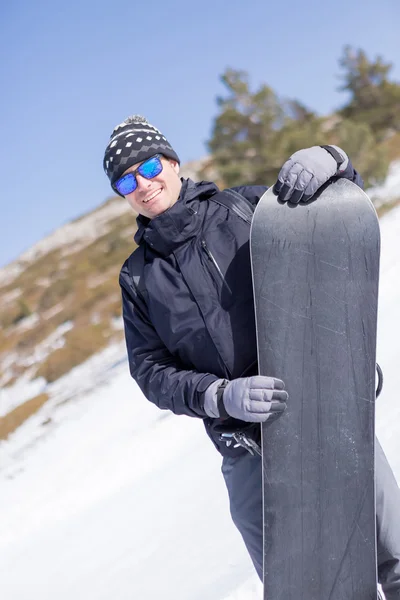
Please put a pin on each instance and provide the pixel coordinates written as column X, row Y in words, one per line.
column 243, row 478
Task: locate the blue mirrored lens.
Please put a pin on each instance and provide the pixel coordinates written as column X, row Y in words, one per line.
column 150, row 168
column 127, row 184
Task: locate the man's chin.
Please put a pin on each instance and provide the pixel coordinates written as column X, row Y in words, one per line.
column 159, row 205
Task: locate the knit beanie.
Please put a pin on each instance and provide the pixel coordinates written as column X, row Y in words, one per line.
column 133, row 141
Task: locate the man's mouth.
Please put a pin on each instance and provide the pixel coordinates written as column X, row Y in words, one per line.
column 153, row 195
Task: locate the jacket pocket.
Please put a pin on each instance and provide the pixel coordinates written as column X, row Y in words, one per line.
column 216, row 271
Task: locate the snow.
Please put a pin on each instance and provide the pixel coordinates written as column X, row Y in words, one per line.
column 32, row 358
column 390, row 188
column 104, row 496
column 22, row 390
column 388, row 347
column 27, row 322
column 116, row 499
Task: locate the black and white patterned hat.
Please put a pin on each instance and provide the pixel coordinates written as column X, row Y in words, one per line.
column 133, row 141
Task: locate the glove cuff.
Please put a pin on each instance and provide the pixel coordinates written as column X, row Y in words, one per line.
column 213, row 400
column 223, row 414
column 338, row 155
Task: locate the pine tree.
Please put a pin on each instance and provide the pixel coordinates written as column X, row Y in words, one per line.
column 253, row 133
column 374, row 100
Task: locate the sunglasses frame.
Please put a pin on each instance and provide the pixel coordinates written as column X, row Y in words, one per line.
column 137, row 170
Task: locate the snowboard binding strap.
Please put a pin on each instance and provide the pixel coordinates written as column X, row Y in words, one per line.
column 380, row 380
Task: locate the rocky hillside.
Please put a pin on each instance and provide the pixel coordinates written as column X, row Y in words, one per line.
column 60, row 300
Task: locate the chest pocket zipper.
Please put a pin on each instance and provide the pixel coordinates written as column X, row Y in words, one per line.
column 216, row 265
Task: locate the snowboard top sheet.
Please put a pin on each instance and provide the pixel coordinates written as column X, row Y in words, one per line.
column 315, row 277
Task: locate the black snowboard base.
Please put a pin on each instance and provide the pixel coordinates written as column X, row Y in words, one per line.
column 315, row 276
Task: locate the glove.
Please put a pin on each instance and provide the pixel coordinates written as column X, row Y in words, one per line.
column 307, row 170
column 253, row 399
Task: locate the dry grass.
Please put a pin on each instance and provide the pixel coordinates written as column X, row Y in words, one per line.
column 63, row 287
column 80, row 343
column 20, row 414
column 392, row 146
column 385, row 208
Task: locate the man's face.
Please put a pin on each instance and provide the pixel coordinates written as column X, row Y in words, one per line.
column 154, row 196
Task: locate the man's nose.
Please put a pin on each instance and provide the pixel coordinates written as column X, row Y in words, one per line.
column 142, row 182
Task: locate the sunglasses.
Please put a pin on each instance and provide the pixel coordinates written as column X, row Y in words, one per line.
column 149, row 169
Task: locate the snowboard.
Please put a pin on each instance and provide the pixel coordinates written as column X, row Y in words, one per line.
column 315, row 269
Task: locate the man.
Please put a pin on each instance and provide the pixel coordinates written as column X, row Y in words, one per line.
column 189, row 316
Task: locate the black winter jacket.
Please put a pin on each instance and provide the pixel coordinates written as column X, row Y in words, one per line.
column 195, row 322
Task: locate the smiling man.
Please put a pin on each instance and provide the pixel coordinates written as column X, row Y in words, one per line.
column 189, row 321
column 159, row 185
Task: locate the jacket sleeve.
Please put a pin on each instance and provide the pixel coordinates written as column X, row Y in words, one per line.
column 351, row 173
column 163, row 381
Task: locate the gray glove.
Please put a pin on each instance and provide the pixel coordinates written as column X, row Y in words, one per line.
column 253, row 399
column 307, row 170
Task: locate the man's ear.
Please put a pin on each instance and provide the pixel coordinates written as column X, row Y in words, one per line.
column 175, row 165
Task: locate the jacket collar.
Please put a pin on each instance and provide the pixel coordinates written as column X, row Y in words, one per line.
column 179, row 222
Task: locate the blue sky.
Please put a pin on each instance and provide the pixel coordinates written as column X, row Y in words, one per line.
column 70, row 71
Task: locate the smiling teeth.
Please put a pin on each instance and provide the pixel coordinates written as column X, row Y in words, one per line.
column 152, row 196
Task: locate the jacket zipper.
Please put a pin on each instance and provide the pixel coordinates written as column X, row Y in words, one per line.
column 216, row 265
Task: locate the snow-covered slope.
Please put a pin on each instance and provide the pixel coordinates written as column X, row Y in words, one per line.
column 104, row 496
column 388, row 348
column 115, row 500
